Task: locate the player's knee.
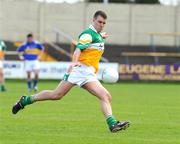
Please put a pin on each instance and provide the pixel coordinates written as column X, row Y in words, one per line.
column 107, row 97
column 57, row 96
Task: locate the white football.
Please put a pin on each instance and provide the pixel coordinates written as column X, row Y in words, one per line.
column 110, row 75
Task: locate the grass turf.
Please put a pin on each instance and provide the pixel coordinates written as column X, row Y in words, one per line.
column 153, row 109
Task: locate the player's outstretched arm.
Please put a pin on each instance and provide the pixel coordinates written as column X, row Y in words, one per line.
column 75, row 59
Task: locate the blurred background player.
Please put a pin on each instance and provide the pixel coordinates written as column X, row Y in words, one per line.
column 2, row 54
column 82, row 72
column 31, row 52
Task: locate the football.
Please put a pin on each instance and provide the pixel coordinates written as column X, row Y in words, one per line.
column 110, row 75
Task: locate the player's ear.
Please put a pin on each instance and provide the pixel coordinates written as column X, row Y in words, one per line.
column 94, row 19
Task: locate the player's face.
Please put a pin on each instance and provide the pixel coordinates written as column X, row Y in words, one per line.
column 99, row 23
column 30, row 39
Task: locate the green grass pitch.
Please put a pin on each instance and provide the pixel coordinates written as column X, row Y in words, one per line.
column 152, row 108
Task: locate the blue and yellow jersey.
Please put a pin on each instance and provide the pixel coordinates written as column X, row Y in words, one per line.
column 91, row 44
column 2, row 49
column 31, row 51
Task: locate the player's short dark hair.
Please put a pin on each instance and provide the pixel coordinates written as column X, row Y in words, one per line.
column 100, row 13
column 29, row 35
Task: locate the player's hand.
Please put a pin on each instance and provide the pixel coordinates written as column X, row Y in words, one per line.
column 104, row 35
column 21, row 57
column 73, row 64
column 38, row 58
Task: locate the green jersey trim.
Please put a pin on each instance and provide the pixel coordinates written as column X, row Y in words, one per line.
column 90, row 38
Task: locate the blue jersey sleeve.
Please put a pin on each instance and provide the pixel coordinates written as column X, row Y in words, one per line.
column 21, row 48
column 40, row 46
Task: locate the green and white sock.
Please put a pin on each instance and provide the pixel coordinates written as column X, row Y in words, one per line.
column 111, row 120
column 28, row 100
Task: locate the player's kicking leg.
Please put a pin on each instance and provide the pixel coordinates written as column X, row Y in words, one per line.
column 98, row 90
column 56, row 94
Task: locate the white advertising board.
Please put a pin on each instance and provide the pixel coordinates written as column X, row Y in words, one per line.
column 48, row 70
column 14, row 69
